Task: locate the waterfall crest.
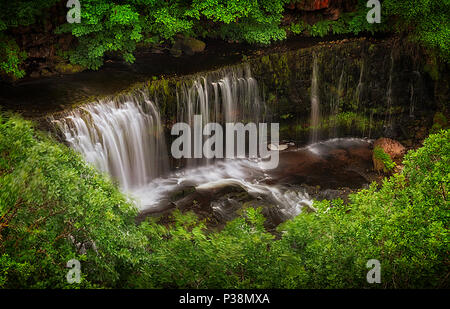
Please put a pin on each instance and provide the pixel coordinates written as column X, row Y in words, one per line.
column 122, row 137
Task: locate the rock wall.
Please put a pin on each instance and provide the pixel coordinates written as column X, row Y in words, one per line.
column 365, row 89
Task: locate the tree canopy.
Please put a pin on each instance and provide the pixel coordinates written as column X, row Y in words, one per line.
column 119, row 26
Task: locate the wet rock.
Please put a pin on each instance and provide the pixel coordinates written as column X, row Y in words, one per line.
column 175, row 51
column 339, row 155
column 422, row 133
column 187, row 45
column 361, row 153
column 278, row 147
column 394, row 149
column 333, row 13
column 67, row 68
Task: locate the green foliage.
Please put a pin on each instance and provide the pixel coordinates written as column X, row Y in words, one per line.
column 23, row 12
column 349, row 23
column 298, row 28
column 242, row 255
column 384, row 158
column 105, row 27
column 428, row 20
column 53, row 207
column 321, row 28
column 15, row 14
column 11, row 57
column 111, row 27
column 119, row 26
column 439, row 122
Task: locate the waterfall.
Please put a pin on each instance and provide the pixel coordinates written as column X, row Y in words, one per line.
column 227, row 95
column 122, row 137
column 388, row 119
column 415, row 91
column 360, row 86
column 315, row 108
column 335, row 104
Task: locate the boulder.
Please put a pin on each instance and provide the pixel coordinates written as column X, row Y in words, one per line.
column 280, row 147
column 188, row 45
column 394, row 149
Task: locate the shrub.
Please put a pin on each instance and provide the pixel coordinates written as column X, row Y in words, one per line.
column 53, row 207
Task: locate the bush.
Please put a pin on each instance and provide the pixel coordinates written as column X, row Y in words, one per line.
column 53, row 207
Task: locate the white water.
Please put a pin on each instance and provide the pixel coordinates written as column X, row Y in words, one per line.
column 249, row 175
column 123, row 139
column 315, row 108
column 228, row 95
column 335, row 103
column 389, row 99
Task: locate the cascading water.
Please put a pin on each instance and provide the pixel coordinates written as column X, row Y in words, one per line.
column 415, row 91
column 389, row 97
column 315, row 108
column 228, row 95
column 123, row 138
column 335, row 104
column 359, row 88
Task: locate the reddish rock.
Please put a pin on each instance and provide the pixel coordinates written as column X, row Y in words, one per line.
column 392, row 147
column 313, row 5
column 334, row 13
column 334, row 7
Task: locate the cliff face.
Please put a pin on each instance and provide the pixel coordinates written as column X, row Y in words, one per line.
column 364, row 88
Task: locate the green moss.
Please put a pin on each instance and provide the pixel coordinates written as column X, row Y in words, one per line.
column 68, row 68
column 439, row 122
column 384, row 158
